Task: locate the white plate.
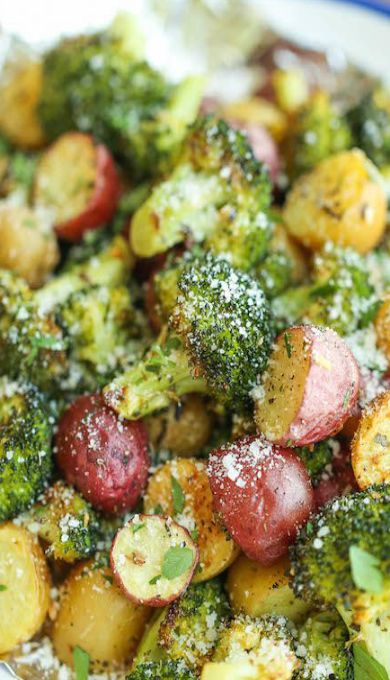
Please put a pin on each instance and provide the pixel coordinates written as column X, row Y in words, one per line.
column 361, row 28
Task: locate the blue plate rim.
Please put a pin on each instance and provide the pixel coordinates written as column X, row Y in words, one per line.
column 370, row 5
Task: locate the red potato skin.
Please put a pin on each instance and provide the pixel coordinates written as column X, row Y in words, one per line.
column 103, row 202
column 105, row 458
column 153, row 601
column 273, row 499
column 331, row 388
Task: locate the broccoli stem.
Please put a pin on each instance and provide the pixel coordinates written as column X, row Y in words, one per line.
column 164, row 374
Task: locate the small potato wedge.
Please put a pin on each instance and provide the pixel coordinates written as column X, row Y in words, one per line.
column 182, row 490
column 338, row 201
column 371, row 444
column 257, row 590
column 96, row 616
column 28, row 244
column 24, row 586
column 310, row 387
column 382, row 327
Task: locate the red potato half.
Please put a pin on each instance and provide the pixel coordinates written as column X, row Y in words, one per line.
column 77, row 182
column 153, row 559
column 263, row 493
column 310, row 387
column 105, row 458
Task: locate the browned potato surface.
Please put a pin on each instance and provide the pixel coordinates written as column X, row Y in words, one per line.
column 371, row 444
column 20, row 89
column 340, row 201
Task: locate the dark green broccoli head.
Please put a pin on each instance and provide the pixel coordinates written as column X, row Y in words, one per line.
column 161, row 670
column 32, row 346
column 193, row 623
column 224, row 319
column 322, row 566
column 318, row 457
column 370, row 123
column 340, row 295
column 25, row 455
column 90, row 83
column 274, row 273
column 317, row 132
column 67, row 523
column 218, row 194
column 322, row 648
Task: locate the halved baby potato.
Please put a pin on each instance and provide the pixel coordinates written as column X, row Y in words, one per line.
column 95, row 615
column 259, row 590
column 153, row 559
column 371, row 444
column 217, row 550
column 24, row 586
column 20, row 90
column 340, row 200
column 77, row 182
column 28, row 245
column 309, row 389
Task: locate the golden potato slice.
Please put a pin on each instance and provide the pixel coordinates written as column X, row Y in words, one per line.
column 371, row 444
column 184, row 429
column 382, row 327
column 20, row 90
column 96, row 616
column 186, row 481
column 257, row 590
column 28, row 244
column 24, row 586
column 339, row 201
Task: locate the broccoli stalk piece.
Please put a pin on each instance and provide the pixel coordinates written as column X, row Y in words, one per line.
column 317, row 132
column 92, row 83
column 264, row 644
column 370, row 123
column 322, row 647
column 222, row 337
column 340, row 294
column 32, row 346
column 218, row 194
column 25, row 438
column 162, row 670
column 342, row 558
column 67, row 523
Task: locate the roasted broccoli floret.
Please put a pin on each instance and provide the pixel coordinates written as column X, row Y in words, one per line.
column 193, row 623
column 91, row 83
column 25, row 455
column 32, row 346
column 265, row 644
column 342, row 558
column 223, row 334
column 370, row 123
column 318, row 457
column 16, row 172
column 317, row 132
column 100, row 260
column 218, row 194
column 66, row 522
column 162, row 670
column 340, row 295
column 322, row 649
